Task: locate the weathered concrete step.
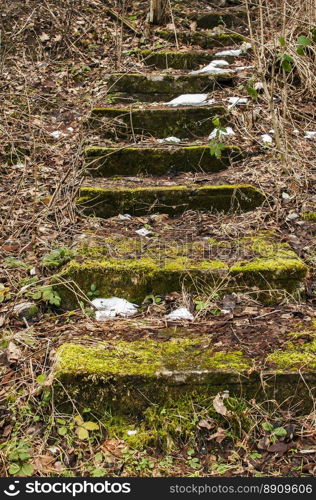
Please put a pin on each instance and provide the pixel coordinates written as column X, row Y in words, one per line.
column 171, row 200
column 230, row 18
column 188, row 60
column 158, row 122
column 106, row 162
column 127, row 377
column 206, row 40
column 161, row 87
column 259, row 265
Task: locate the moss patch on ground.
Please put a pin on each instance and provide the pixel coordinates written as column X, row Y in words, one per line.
column 128, row 268
column 309, row 216
column 182, row 123
column 136, row 83
column 164, row 59
column 171, row 200
column 107, row 162
column 205, row 40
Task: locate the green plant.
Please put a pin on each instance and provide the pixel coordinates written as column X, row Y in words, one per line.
column 19, row 455
column 13, row 263
column 4, row 293
column 45, row 293
column 57, row 257
column 93, row 292
column 193, row 462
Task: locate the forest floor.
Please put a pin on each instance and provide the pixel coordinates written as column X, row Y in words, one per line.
column 54, row 59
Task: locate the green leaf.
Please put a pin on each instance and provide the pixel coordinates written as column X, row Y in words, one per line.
column 266, row 426
column 14, row 469
column 93, row 287
column 98, row 472
column 82, row 433
column 304, row 41
column 286, row 66
column 282, row 41
column 62, row 431
column 26, row 470
column 41, row 379
column 252, row 92
column 279, row 432
column 91, row 426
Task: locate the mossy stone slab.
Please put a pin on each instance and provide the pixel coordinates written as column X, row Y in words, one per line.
column 126, row 267
column 157, row 122
column 106, row 162
column 171, row 200
column 167, row 86
column 205, row 40
column 165, row 59
column 229, row 18
column 127, row 377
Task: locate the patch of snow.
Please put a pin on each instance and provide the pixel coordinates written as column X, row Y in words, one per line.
column 292, row 216
column 143, row 232
column 310, row 135
column 189, row 100
column 285, row 196
column 213, row 68
column 169, row 140
column 221, row 133
column 266, row 139
column 57, row 134
column 234, row 101
column 241, row 68
column 233, row 52
column 109, row 308
column 124, row 216
column 180, row 313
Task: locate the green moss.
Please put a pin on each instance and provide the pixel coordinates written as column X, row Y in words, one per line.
column 164, row 59
column 309, row 216
column 180, row 122
column 302, row 356
column 128, row 376
column 167, row 85
column 157, row 161
column 168, row 199
column 206, row 40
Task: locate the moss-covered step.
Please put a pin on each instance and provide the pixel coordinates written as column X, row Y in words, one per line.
column 206, row 39
column 164, row 87
column 172, row 200
column 127, row 377
column 230, row 18
column 158, row 122
column 106, row 162
column 126, row 267
column 164, row 59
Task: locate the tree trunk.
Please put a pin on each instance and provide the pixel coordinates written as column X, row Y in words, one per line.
column 157, row 11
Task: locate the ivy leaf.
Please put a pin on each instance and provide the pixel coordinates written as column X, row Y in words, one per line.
column 82, row 433
column 304, row 41
column 14, row 469
column 62, row 431
column 252, row 92
column 279, row 432
column 91, row 426
column 267, row 426
column 26, row 470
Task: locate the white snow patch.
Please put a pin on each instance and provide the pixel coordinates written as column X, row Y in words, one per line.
column 124, row 216
column 234, row 101
column 57, row 134
column 189, row 100
column 169, row 140
column 221, row 133
column 309, row 134
column 180, row 313
column 143, row 232
column 109, row 308
column 235, row 52
column 266, row 139
column 213, row 68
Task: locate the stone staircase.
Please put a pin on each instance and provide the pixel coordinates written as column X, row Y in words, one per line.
column 127, row 377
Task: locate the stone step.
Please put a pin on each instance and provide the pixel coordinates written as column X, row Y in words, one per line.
column 172, row 200
column 107, row 162
column 160, row 122
column 133, row 268
column 125, row 378
column 204, row 39
column 163, row 87
column 188, row 60
column 229, row 18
